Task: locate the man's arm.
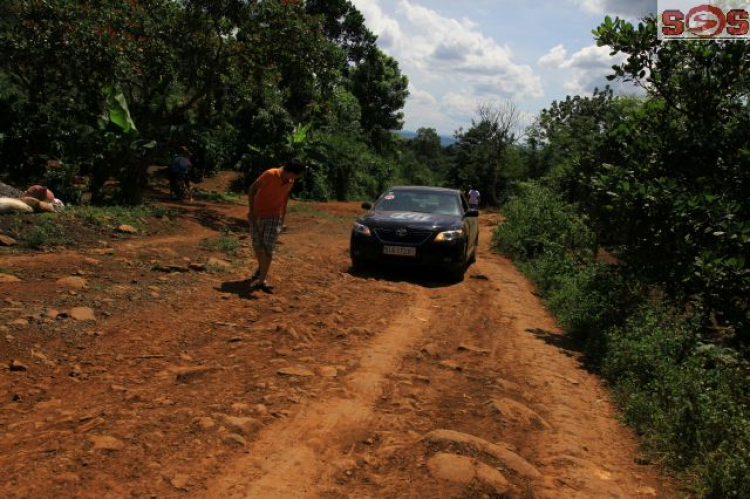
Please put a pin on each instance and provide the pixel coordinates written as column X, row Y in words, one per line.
column 252, row 191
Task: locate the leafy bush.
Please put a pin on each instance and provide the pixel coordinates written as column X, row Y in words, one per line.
column 48, row 233
column 539, row 221
column 687, row 398
column 62, row 181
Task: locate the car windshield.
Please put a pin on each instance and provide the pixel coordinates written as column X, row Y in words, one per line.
column 441, row 203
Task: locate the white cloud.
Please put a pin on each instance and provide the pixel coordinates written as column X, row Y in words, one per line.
column 588, row 67
column 450, row 58
column 555, row 57
column 626, row 8
column 388, row 29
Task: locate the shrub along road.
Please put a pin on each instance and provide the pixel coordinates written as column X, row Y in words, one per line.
column 337, row 385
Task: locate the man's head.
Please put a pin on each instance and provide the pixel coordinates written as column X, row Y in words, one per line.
column 185, row 152
column 293, row 169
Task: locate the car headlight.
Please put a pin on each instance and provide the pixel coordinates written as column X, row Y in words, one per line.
column 449, row 235
column 362, row 229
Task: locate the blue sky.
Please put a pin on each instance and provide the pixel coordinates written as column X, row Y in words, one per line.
column 458, row 55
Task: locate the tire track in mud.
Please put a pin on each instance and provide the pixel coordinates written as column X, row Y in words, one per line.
column 298, row 457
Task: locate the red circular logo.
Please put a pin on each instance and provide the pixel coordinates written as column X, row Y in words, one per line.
column 706, row 21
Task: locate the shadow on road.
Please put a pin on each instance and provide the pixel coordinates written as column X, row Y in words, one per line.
column 567, row 345
column 239, row 288
column 425, row 277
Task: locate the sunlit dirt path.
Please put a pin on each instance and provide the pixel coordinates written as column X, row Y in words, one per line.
column 387, row 384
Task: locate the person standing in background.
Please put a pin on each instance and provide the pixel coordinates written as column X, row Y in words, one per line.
column 179, row 175
column 474, row 198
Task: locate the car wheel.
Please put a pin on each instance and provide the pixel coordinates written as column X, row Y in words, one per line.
column 456, row 274
column 358, row 264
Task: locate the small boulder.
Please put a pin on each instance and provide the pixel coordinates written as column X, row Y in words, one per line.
column 127, row 229
column 32, row 202
column 12, row 205
column 296, row 371
column 180, row 481
column 464, row 470
column 204, row 423
column 6, row 278
column 107, row 443
column 217, row 263
column 45, row 207
column 82, row 314
column 17, row 366
column 7, row 241
column 72, row 283
column 242, row 425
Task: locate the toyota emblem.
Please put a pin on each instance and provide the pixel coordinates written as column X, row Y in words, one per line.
column 401, row 232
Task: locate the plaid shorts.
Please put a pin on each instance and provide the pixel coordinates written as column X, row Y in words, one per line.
column 266, row 233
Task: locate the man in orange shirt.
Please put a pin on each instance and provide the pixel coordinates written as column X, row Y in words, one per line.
column 268, row 198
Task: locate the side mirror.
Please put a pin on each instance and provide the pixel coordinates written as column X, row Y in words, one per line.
column 366, row 206
column 472, row 214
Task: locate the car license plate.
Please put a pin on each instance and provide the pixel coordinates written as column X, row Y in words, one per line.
column 399, row 250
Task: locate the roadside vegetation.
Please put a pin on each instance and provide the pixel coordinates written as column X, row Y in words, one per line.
column 82, row 225
column 637, row 234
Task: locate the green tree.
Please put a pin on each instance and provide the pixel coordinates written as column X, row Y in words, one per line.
column 381, row 90
column 678, row 189
column 344, row 25
column 481, row 151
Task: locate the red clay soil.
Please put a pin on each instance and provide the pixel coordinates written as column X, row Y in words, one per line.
column 337, row 385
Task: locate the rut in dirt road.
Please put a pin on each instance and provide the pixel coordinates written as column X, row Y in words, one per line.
column 291, row 460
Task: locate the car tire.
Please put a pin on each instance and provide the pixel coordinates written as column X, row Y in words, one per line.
column 358, row 264
column 456, row 275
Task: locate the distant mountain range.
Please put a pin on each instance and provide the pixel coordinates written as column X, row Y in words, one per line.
column 445, row 140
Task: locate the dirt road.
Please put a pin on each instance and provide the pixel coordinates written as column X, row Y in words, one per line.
column 183, row 384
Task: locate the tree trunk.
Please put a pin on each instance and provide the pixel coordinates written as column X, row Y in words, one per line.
column 133, row 181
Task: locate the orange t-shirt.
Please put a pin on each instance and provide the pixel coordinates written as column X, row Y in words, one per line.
column 272, row 193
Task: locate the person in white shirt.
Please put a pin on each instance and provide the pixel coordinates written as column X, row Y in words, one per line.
column 474, row 197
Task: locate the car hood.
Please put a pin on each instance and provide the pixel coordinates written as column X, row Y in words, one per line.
column 409, row 219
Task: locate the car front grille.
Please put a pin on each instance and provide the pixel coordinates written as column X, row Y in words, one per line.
column 413, row 237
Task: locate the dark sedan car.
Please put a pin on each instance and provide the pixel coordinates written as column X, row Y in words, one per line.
column 425, row 226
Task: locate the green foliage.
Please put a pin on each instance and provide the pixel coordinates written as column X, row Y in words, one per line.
column 243, row 84
column 62, row 180
column 381, row 90
column 221, row 197
column 538, row 221
column 675, row 193
column 227, row 243
column 687, row 398
column 48, row 233
column 484, row 156
column 113, row 216
column 346, row 169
